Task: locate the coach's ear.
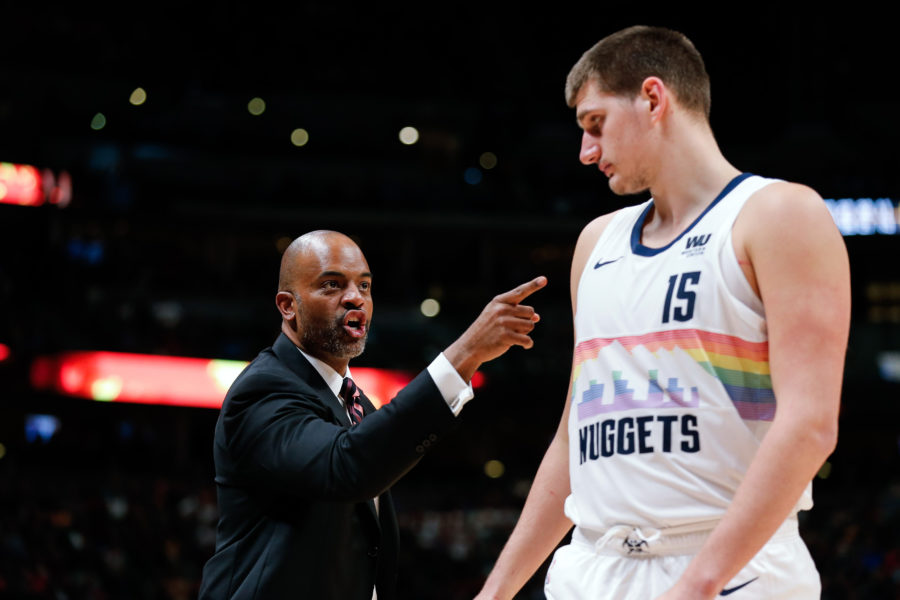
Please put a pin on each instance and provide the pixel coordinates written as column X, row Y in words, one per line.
column 656, row 95
column 286, row 306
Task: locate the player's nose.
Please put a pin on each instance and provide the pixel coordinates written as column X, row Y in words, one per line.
column 590, row 149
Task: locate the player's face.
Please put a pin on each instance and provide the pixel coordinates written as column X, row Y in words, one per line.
column 334, row 302
column 614, row 137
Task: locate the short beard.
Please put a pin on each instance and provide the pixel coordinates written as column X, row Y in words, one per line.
column 331, row 341
column 328, row 337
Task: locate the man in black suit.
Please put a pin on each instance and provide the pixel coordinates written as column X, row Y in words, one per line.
column 305, row 510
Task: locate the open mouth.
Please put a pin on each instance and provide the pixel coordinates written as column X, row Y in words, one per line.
column 355, row 323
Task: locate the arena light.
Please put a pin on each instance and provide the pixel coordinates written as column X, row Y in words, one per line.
column 138, row 96
column 299, row 137
column 256, row 106
column 889, row 366
column 865, row 216
column 173, row 380
column 26, row 185
column 41, row 428
column 98, row 122
column 430, row 307
column 408, row 136
column 20, row 184
column 487, row 160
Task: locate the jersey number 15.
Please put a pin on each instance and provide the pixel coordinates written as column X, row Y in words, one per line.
column 685, row 298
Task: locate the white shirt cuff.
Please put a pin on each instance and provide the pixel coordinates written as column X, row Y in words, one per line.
column 455, row 391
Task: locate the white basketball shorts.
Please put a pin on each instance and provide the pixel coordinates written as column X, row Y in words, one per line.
column 627, row 564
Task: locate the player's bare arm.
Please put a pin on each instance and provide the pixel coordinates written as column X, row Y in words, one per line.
column 543, row 524
column 796, row 260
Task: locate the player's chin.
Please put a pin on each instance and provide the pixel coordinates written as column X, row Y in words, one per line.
column 616, row 185
column 621, row 187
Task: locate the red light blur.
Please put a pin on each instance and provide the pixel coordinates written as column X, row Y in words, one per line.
column 20, row 184
column 174, row 380
column 24, row 185
column 170, row 380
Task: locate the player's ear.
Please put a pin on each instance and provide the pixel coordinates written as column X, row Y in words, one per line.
column 656, row 95
column 285, row 303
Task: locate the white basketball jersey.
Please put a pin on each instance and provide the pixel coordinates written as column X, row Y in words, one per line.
column 671, row 392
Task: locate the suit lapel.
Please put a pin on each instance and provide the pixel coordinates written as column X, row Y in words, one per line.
column 290, row 355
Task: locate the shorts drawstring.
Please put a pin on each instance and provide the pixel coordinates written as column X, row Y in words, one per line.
column 635, row 542
column 647, row 540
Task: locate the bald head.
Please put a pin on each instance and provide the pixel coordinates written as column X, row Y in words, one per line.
column 297, row 255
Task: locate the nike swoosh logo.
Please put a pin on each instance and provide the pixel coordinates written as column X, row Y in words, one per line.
column 600, row 264
column 729, row 591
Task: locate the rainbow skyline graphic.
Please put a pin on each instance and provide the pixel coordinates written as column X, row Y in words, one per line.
column 741, row 366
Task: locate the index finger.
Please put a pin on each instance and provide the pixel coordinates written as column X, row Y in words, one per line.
column 517, row 294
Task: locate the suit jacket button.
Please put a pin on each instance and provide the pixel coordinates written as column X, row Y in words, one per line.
column 432, row 437
column 426, row 443
column 420, row 448
column 373, row 551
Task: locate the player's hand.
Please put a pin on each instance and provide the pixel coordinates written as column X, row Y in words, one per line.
column 503, row 323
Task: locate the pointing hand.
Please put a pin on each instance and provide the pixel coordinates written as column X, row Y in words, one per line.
column 503, row 323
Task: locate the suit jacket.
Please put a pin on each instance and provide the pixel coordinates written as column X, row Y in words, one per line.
column 295, row 483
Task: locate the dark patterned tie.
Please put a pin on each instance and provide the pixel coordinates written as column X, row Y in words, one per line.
column 350, row 394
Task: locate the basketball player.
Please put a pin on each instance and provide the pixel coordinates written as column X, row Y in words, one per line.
column 711, row 324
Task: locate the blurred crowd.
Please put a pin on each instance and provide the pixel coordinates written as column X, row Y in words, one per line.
column 76, row 523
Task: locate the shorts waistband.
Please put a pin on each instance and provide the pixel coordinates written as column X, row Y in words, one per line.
column 644, row 541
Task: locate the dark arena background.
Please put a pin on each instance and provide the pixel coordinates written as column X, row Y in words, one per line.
column 156, row 159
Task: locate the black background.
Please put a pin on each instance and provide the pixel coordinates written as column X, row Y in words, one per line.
column 187, row 198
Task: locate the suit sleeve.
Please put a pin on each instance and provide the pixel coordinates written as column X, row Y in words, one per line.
column 285, row 438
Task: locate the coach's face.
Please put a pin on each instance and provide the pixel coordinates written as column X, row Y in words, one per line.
column 332, row 296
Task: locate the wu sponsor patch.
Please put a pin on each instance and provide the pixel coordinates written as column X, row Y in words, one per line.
column 695, row 245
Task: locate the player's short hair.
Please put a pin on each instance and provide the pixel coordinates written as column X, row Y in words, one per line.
column 620, row 63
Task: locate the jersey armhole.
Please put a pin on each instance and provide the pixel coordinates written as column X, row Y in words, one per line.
column 733, row 276
column 736, row 280
column 609, row 230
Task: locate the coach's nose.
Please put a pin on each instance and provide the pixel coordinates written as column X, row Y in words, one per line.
column 353, row 297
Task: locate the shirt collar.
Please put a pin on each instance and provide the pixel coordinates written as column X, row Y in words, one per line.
column 333, row 379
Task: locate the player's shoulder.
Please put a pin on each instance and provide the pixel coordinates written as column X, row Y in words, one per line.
column 591, row 232
column 783, row 214
column 782, row 206
column 787, row 199
column 587, row 239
